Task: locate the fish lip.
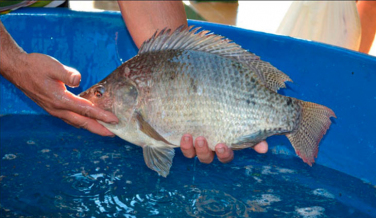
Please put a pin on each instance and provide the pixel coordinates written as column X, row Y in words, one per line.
column 83, row 94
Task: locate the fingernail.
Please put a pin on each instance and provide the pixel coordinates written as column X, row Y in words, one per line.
column 75, row 80
column 221, row 150
column 113, row 122
column 186, row 138
column 111, row 134
column 200, row 143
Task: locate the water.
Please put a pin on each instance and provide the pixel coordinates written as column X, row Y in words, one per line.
column 51, row 169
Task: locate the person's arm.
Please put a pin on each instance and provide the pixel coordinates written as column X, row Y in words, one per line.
column 43, row 79
column 142, row 20
column 367, row 14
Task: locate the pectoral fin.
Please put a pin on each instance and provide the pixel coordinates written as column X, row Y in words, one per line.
column 159, row 159
column 149, row 130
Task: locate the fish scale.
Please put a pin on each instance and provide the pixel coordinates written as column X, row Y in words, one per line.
column 200, row 83
column 203, row 68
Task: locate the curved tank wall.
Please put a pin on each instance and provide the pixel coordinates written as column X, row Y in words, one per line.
column 96, row 43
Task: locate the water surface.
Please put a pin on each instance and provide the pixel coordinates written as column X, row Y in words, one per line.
column 51, row 169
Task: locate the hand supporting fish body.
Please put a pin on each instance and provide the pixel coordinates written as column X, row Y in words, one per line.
column 199, row 83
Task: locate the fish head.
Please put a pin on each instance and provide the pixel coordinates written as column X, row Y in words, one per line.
column 115, row 94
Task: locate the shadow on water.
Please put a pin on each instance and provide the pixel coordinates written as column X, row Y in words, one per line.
column 51, row 169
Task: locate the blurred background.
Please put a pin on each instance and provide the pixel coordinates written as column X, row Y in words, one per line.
column 264, row 16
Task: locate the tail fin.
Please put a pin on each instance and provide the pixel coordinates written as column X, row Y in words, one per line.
column 314, row 121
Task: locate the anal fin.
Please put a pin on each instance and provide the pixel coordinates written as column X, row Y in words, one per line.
column 159, row 159
column 252, row 139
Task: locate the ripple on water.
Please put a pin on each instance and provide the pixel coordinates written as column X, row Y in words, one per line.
column 72, row 173
column 323, row 192
column 92, row 194
column 214, row 203
column 87, row 185
column 30, row 142
column 310, row 212
column 267, row 199
column 9, row 157
column 269, row 170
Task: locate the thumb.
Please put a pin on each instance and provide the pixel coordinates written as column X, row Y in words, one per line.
column 55, row 70
column 71, row 77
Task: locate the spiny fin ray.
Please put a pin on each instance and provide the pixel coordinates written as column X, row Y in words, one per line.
column 187, row 38
column 182, row 38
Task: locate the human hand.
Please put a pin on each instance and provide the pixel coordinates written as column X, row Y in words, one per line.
column 206, row 155
column 43, row 78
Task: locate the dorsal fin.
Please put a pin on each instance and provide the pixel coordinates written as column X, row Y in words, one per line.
column 273, row 78
column 187, row 38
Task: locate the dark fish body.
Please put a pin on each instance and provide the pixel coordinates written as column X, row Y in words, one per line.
column 205, row 86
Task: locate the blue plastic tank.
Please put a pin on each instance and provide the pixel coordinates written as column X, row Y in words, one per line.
column 49, row 168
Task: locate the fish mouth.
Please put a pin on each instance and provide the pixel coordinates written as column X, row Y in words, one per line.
column 83, row 94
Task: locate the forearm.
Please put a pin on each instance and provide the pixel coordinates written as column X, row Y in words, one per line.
column 10, row 56
column 143, row 18
column 367, row 13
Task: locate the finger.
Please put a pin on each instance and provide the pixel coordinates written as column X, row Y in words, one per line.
column 261, row 147
column 224, row 153
column 84, row 122
column 85, row 108
column 67, row 75
column 204, row 154
column 186, row 146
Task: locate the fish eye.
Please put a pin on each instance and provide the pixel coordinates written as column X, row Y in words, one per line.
column 98, row 92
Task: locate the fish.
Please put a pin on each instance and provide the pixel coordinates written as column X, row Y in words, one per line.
column 194, row 81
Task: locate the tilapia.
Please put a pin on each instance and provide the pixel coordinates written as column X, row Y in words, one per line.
column 191, row 81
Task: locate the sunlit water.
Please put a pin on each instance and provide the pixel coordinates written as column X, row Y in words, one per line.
column 51, row 169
